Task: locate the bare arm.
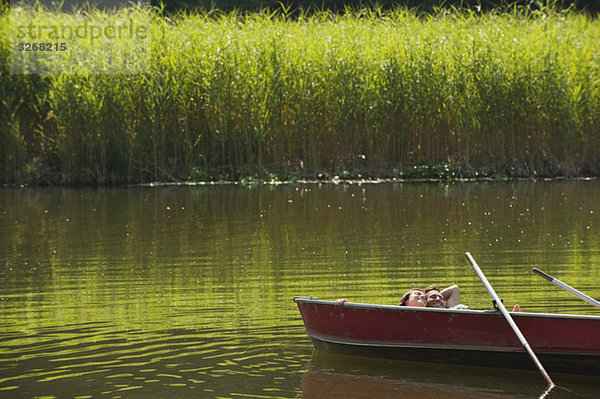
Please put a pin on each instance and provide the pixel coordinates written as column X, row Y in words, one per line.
column 451, row 296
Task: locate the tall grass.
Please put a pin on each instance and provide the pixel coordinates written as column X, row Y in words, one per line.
column 370, row 91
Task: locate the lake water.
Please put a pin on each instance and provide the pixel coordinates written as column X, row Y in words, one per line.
column 186, row 292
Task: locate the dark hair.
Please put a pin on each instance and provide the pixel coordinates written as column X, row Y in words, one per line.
column 432, row 287
column 405, row 297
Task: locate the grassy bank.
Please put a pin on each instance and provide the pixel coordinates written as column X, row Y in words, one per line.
column 226, row 95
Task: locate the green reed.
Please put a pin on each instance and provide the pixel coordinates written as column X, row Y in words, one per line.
column 370, row 91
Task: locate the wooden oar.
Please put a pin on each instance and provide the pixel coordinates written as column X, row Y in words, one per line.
column 509, row 319
column 567, row 287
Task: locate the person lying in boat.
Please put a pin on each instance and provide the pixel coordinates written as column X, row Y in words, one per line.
column 413, row 297
column 448, row 298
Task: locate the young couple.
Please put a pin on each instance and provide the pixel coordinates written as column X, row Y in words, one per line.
column 430, row 297
column 433, row 297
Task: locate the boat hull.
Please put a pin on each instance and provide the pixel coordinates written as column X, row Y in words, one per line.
column 563, row 343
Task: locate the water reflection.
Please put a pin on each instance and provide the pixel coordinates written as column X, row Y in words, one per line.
column 337, row 376
column 161, row 292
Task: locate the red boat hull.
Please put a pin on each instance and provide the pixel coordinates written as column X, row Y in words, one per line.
column 564, row 343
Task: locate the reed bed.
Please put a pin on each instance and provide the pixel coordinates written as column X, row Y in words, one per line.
column 226, row 95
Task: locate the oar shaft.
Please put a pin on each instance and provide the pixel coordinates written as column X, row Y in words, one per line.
column 567, row 287
column 495, row 297
column 508, row 318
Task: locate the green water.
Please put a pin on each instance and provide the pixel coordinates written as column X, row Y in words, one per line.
column 187, row 291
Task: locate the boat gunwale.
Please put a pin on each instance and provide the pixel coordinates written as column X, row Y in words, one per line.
column 396, row 308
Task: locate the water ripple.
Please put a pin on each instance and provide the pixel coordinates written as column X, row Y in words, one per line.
column 94, row 359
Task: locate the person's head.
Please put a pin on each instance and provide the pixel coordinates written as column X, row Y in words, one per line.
column 433, row 297
column 414, row 297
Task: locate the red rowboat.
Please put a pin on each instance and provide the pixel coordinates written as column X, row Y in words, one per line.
column 562, row 342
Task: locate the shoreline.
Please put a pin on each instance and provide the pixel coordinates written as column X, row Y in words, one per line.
column 363, row 181
column 332, row 180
